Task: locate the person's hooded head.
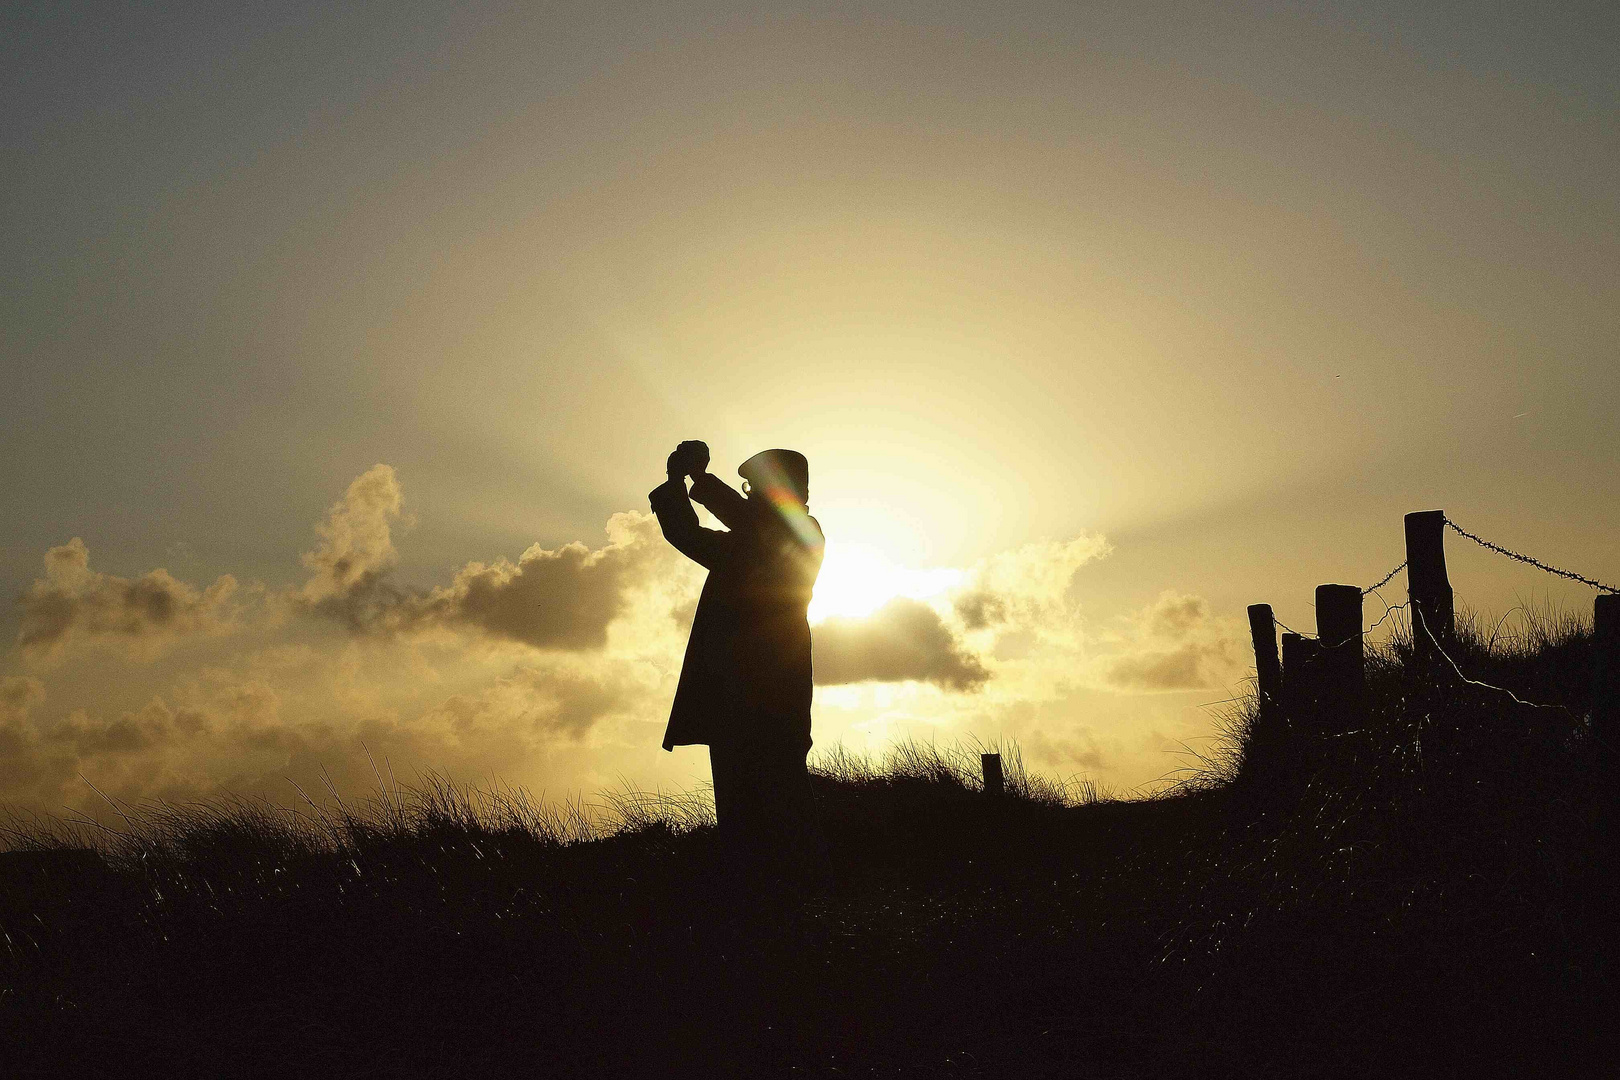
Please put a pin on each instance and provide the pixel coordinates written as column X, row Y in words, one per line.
column 781, row 476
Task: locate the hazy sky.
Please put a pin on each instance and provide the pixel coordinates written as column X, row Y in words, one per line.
column 1095, row 322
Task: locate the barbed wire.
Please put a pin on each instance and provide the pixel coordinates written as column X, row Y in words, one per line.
column 1290, row 629
column 1537, row 563
column 1387, row 578
column 1389, row 609
column 1482, row 542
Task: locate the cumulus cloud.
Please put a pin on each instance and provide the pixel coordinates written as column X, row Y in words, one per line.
column 559, row 599
column 356, row 552
column 19, row 765
column 283, row 717
column 1175, row 644
column 1028, row 591
column 545, row 702
column 19, row 694
column 549, row 599
column 904, row 640
column 144, row 614
column 41, row 757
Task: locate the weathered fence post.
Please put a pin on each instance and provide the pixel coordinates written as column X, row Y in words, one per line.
column 994, row 783
column 1266, row 747
column 1268, row 671
column 1343, row 676
column 1299, row 670
column 1338, row 628
column 1433, row 618
column 1606, row 670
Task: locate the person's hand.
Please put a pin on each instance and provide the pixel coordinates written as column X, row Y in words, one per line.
column 689, row 458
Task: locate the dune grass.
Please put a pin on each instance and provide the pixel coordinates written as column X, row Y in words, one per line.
column 1420, row 885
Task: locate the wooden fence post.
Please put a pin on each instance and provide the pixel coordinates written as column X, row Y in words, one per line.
column 1427, row 585
column 994, row 783
column 1299, row 670
column 1265, row 751
column 1268, row 671
column 1342, row 662
column 1606, row 670
column 1338, row 628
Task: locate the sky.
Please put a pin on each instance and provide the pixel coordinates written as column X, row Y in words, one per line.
column 342, row 343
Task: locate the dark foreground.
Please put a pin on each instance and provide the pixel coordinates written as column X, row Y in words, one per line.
column 1428, row 893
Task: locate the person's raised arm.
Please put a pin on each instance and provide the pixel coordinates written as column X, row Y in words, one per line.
column 722, row 500
column 676, row 517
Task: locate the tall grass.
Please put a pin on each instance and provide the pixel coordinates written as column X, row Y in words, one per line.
column 437, row 811
column 1434, row 850
column 956, row 768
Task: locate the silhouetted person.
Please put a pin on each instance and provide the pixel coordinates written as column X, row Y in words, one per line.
column 745, row 684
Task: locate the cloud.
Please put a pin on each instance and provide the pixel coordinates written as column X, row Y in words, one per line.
column 1175, row 644
column 22, row 773
column 549, row 599
column 355, row 554
column 144, row 614
column 18, row 695
column 356, row 541
column 559, row 699
column 309, row 715
column 561, row 599
column 904, row 640
column 1028, row 586
column 553, row 669
column 980, row 609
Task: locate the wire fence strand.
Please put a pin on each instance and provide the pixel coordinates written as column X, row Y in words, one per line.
column 1386, row 580
column 1537, row 563
column 1475, row 682
column 1482, row 542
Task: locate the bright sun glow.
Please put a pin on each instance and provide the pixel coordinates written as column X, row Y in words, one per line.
column 857, row 580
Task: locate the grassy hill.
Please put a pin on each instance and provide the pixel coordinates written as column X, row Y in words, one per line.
column 1425, row 889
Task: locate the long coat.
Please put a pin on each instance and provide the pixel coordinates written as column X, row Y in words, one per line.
column 746, row 679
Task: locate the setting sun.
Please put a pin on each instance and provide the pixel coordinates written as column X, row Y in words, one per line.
column 856, row 580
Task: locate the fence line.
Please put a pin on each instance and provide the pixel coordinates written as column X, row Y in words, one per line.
column 1290, row 629
column 1389, row 609
column 1386, row 580
column 1482, row 542
column 1537, row 563
column 1319, row 690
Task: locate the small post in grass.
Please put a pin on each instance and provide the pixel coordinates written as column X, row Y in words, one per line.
column 1606, row 670
column 995, row 785
column 1433, row 618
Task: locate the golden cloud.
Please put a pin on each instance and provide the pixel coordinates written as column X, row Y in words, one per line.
column 143, row 615
column 1176, row 645
column 904, row 640
column 549, row 599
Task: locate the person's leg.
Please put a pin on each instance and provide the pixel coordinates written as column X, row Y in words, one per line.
column 801, row 817
column 723, row 766
column 740, row 785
